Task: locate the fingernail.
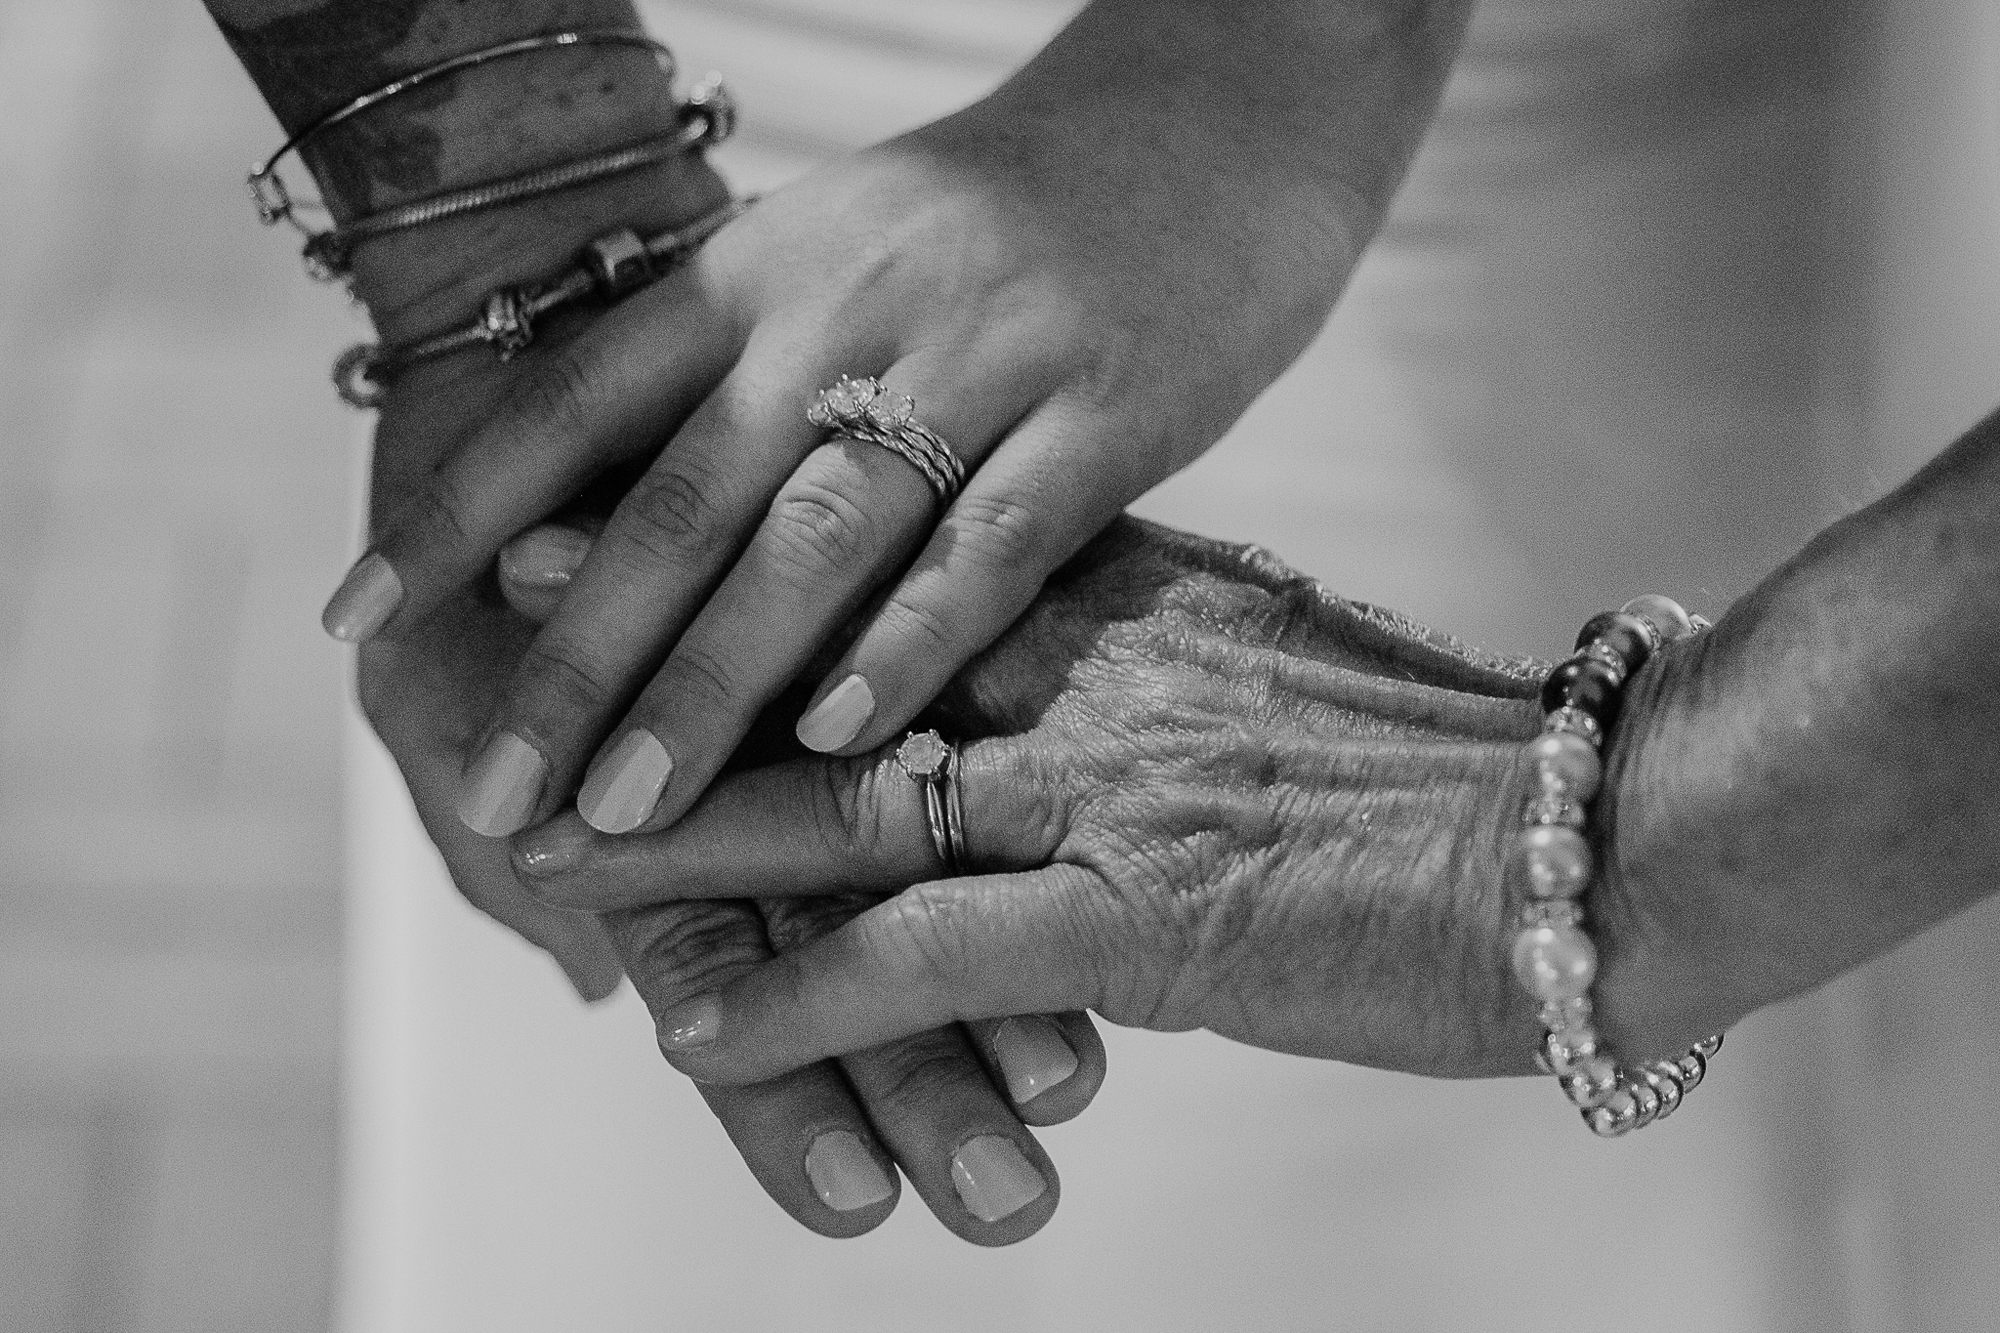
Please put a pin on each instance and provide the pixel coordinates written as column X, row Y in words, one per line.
column 544, row 557
column 503, row 786
column 844, row 1173
column 1033, row 1055
column 625, row 785
column 365, row 600
column 994, row 1180
column 692, row 1025
column 552, row 849
column 838, row 718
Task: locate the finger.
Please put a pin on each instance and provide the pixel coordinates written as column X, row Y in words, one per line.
column 664, row 547
column 1026, row 512
column 950, row 950
column 1051, row 1066
column 929, row 1096
column 850, row 515
column 536, row 567
column 801, row 1133
column 805, row 827
column 572, row 408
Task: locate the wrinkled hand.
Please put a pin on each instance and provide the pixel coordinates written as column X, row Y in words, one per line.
column 1082, row 281
column 1203, row 792
column 949, row 1105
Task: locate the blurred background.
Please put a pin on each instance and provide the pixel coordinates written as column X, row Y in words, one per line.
column 1673, row 284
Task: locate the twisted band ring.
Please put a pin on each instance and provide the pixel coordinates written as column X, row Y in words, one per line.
column 862, row 409
column 930, row 761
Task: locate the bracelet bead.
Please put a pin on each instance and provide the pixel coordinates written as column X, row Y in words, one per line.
column 1553, row 861
column 1630, row 637
column 1667, row 618
column 1549, row 869
column 1583, row 683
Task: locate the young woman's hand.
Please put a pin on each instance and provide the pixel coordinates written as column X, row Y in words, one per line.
column 1081, row 281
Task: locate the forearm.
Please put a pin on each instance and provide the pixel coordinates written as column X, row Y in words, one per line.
column 1310, row 104
column 1820, row 780
column 309, row 57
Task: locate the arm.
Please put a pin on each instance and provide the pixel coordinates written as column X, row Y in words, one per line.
column 1206, row 795
column 1082, row 279
column 824, row 1142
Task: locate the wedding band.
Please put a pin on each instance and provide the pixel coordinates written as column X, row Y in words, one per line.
column 931, row 762
column 865, row 410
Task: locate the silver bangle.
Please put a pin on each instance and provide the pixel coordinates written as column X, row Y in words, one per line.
column 274, row 202
column 707, row 118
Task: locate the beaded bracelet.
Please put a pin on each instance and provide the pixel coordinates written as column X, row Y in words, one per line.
column 1551, row 864
column 610, row 268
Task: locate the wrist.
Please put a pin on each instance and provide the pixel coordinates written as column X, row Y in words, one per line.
column 518, row 114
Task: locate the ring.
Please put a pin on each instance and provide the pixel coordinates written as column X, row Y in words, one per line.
column 863, row 409
column 930, row 761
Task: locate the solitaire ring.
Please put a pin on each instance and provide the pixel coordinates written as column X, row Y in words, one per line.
column 930, row 761
column 865, row 410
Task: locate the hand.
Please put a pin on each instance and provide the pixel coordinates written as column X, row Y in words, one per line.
column 824, row 1140
column 1204, row 793
column 1082, row 281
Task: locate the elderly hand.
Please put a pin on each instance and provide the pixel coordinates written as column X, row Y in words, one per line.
column 1081, row 281
column 1199, row 791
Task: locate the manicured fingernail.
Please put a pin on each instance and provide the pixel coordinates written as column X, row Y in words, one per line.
column 552, row 849
column 625, row 785
column 838, row 718
column 503, row 786
column 1033, row 1056
column 544, row 557
column 365, row 600
column 692, row 1025
column 994, row 1180
column 844, row 1173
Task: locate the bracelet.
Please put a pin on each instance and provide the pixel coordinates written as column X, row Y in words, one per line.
column 611, row 267
column 267, row 188
column 1551, row 862
column 707, row 117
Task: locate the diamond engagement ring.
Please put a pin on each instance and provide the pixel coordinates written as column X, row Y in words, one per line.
column 930, row 761
column 863, row 409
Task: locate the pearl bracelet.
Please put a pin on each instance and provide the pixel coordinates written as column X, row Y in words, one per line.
column 1551, row 866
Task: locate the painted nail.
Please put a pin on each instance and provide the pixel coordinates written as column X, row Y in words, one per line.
column 993, row 1179
column 501, row 789
column 625, row 785
column 838, row 718
column 692, row 1025
column 1033, row 1055
column 552, row 849
column 844, row 1173
column 365, row 600
column 544, row 557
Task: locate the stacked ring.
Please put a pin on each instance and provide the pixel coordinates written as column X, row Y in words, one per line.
column 930, row 761
column 863, row 409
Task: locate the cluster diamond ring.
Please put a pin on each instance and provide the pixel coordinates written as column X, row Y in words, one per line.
column 865, row 410
column 930, row 761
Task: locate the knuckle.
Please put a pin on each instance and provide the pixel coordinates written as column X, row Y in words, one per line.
column 845, row 804
column 553, row 392
column 815, row 530
column 1001, row 533
column 680, row 950
column 443, row 509
column 936, row 636
column 560, row 673
column 919, row 927
column 696, row 671
column 673, row 515
column 924, row 1071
